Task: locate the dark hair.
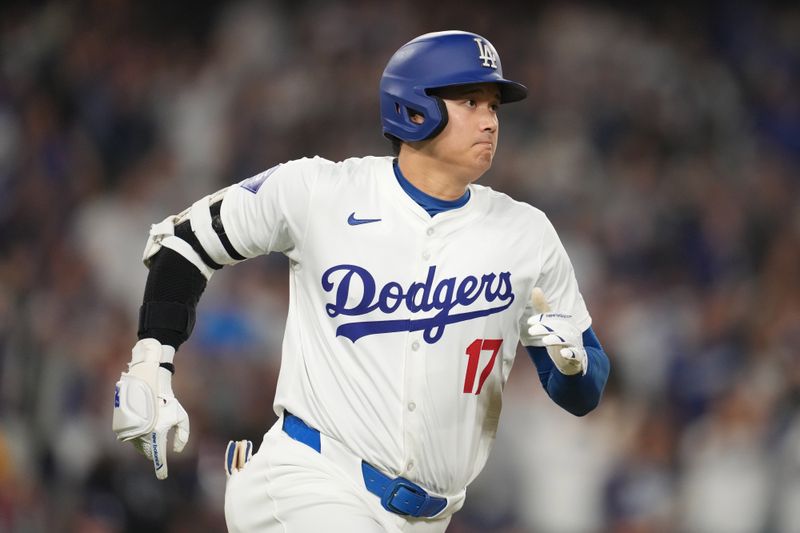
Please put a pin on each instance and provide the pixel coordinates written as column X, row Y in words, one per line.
column 396, row 144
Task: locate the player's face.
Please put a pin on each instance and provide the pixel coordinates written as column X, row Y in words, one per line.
column 470, row 138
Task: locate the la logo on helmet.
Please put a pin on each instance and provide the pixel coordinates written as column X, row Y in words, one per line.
column 486, row 53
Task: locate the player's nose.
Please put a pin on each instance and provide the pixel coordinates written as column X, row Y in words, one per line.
column 488, row 120
column 488, row 125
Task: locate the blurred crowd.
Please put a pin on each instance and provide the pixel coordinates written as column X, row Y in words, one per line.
column 663, row 142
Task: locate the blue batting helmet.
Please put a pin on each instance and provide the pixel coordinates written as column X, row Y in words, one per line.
column 432, row 61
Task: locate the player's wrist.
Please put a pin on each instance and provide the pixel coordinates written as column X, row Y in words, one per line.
column 165, row 383
column 167, row 357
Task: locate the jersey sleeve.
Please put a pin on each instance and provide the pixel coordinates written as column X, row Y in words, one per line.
column 557, row 281
column 268, row 212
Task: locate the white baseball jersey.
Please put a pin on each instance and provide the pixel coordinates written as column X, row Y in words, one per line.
column 402, row 327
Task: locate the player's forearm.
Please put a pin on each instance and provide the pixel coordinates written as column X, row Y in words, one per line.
column 182, row 253
column 579, row 394
column 174, row 286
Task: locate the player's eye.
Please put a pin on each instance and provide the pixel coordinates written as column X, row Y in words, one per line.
column 471, row 103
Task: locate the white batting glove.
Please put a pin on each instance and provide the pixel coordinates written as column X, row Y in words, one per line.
column 145, row 408
column 557, row 333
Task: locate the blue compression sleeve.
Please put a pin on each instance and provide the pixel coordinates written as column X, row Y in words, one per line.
column 577, row 394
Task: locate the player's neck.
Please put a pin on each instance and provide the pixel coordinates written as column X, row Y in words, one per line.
column 434, row 177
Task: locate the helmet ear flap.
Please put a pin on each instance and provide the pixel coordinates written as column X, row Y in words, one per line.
column 397, row 112
column 445, row 117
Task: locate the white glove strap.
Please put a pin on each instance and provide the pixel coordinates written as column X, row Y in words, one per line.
column 135, row 398
column 167, row 353
column 134, row 408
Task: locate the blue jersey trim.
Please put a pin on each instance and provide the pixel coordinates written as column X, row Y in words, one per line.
column 429, row 203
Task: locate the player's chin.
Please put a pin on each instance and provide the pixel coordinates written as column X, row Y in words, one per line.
column 483, row 160
column 484, row 151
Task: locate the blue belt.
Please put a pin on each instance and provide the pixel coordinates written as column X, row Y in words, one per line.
column 398, row 495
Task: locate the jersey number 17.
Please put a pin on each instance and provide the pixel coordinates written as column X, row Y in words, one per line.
column 474, row 352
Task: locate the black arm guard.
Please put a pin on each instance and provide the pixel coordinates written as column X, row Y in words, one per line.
column 174, row 286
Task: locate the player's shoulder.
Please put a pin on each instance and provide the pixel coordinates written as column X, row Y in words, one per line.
column 357, row 173
column 503, row 205
column 359, row 167
column 317, row 168
column 350, row 168
column 351, row 163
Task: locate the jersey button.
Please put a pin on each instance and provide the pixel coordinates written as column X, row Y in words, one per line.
column 429, row 232
column 411, row 406
column 415, row 346
column 410, row 465
column 426, row 255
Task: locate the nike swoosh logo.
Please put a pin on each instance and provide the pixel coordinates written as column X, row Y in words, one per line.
column 353, row 221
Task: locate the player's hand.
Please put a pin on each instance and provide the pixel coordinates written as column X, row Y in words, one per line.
column 145, row 408
column 558, row 334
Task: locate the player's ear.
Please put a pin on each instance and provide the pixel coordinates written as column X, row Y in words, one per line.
column 416, row 118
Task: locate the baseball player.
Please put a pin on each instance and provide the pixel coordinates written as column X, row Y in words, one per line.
column 411, row 287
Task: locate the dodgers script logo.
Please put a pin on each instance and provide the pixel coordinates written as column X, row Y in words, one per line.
column 421, row 296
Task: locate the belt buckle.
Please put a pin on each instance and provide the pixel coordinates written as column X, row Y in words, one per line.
column 392, row 490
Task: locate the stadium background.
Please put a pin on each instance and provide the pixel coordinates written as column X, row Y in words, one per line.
column 664, row 143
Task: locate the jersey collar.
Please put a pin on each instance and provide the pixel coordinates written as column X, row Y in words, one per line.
column 430, row 204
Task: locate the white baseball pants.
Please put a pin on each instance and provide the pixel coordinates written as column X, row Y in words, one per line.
column 288, row 487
